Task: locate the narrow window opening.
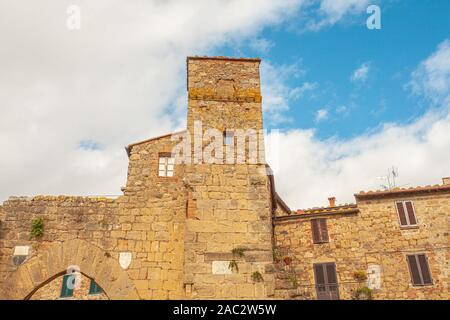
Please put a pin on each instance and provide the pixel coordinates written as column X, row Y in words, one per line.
column 406, row 214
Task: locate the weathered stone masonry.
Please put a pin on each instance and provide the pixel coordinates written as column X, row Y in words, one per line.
column 176, row 227
column 368, row 235
column 184, row 229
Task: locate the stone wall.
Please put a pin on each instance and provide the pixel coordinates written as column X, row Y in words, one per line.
column 233, row 209
column 180, row 230
column 371, row 237
column 207, row 232
column 147, row 221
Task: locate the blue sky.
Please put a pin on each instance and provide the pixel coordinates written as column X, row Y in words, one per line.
column 410, row 32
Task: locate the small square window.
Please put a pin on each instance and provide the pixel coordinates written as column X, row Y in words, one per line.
column 166, row 165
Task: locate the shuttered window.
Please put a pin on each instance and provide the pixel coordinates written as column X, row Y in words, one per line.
column 319, row 230
column 166, row 165
column 419, row 269
column 406, row 213
column 66, row 288
column 326, row 281
column 94, row 288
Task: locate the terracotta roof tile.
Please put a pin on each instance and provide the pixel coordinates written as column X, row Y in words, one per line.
column 337, row 209
column 401, row 191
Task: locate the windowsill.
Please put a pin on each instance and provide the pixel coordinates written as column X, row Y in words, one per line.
column 167, row 178
column 65, row 298
column 418, row 286
column 322, row 242
column 410, row 227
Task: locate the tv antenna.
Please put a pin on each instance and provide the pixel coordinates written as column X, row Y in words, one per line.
column 390, row 179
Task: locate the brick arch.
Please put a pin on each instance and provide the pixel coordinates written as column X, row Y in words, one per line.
column 94, row 262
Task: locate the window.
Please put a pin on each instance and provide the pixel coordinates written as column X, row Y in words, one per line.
column 327, row 287
column 406, row 214
column 419, row 270
column 166, row 165
column 228, row 138
column 67, row 288
column 319, row 230
column 94, row 288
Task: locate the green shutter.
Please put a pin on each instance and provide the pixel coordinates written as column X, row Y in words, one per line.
column 94, row 288
column 65, row 290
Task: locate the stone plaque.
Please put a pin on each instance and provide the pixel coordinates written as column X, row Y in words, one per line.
column 221, row 267
column 125, row 259
column 374, row 276
column 21, row 250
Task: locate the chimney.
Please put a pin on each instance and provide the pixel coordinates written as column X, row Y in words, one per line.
column 332, row 201
column 446, row 181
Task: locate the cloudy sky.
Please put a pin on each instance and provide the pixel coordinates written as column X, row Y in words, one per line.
column 343, row 102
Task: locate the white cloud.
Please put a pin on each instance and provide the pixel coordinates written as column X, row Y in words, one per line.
column 275, row 91
column 432, row 77
column 332, row 11
column 298, row 92
column 341, row 109
column 71, row 100
column 308, row 170
column 261, row 45
column 361, row 73
column 321, row 115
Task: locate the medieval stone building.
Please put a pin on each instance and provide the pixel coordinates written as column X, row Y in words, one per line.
column 199, row 218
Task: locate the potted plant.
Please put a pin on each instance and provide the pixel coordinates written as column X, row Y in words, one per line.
column 287, row 260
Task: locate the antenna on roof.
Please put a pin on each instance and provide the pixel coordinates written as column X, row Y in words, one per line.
column 392, row 174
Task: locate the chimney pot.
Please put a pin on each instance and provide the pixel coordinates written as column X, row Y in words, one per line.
column 332, row 201
column 446, row 181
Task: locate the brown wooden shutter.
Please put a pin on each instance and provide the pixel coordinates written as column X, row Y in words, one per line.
column 327, row 287
column 424, row 268
column 319, row 274
column 315, row 230
column 410, row 211
column 331, row 273
column 323, row 230
column 414, row 268
column 401, row 214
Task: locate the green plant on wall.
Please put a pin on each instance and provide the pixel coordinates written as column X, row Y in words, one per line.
column 294, row 281
column 257, row 277
column 233, row 266
column 276, row 254
column 37, row 228
column 238, row 252
column 360, row 276
column 363, row 293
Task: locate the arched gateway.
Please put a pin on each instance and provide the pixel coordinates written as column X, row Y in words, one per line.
column 92, row 262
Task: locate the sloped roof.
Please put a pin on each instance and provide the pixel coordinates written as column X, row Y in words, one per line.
column 397, row 192
column 319, row 212
column 130, row 146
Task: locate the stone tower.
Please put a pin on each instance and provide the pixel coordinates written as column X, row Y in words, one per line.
column 229, row 199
